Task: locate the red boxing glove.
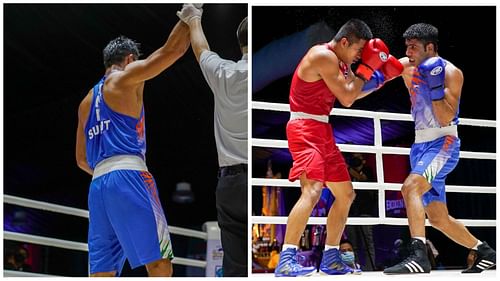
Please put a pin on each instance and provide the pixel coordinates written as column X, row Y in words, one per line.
column 374, row 54
column 391, row 68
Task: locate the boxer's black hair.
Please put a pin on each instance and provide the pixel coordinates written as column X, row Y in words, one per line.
column 354, row 30
column 424, row 32
column 118, row 48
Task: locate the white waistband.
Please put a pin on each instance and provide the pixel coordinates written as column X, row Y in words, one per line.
column 119, row 162
column 303, row 115
column 431, row 134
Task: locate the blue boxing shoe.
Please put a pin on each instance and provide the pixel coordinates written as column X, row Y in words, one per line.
column 289, row 266
column 332, row 264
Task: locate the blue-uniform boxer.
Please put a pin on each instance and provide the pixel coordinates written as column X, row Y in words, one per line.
column 126, row 217
column 435, row 88
column 125, row 213
column 436, row 150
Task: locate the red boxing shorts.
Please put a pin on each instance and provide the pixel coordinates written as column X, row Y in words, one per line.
column 314, row 152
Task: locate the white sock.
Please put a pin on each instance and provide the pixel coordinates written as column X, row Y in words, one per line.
column 477, row 245
column 289, row 246
column 328, row 247
column 421, row 239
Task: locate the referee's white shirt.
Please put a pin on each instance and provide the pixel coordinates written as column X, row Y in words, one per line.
column 228, row 81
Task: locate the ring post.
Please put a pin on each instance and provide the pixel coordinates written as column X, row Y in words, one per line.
column 214, row 250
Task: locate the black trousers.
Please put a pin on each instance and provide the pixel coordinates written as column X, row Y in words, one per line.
column 231, row 200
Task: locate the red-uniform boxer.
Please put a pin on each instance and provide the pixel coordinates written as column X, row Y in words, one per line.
column 323, row 75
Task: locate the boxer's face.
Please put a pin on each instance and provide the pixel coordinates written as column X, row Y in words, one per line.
column 415, row 51
column 354, row 50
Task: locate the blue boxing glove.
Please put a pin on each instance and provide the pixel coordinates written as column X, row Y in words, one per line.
column 391, row 69
column 376, row 81
column 432, row 71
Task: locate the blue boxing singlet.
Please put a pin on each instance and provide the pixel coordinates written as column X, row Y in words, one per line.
column 421, row 104
column 109, row 133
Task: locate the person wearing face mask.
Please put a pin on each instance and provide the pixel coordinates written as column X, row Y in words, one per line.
column 348, row 256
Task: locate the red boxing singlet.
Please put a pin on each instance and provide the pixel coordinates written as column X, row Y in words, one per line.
column 311, row 142
column 312, row 97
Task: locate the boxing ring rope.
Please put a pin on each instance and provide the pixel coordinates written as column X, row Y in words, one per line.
column 365, row 221
column 367, row 114
column 378, row 150
column 376, row 186
column 46, row 241
column 372, row 149
column 15, row 273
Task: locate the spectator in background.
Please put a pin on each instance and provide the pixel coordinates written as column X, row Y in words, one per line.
column 358, row 169
column 363, row 206
column 16, row 258
column 348, row 256
column 8, row 259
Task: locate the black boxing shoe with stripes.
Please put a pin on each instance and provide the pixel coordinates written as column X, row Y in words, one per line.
column 417, row 262
column 486, row 258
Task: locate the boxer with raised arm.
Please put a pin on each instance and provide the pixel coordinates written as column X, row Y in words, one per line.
column 126, row 219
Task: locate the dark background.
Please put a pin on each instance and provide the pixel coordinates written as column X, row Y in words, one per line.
column 52, row 58
column 478, row 101
column 389, row 24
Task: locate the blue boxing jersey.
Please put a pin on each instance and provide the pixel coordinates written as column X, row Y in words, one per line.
column 109, row 133
column 421, row 104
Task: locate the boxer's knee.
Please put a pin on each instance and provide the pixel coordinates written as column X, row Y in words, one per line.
column 346, row 197
column 104, row 274
column 158, row 268
column 438, row 215
column 414, row 185
column 440, row 222
column 312, row 192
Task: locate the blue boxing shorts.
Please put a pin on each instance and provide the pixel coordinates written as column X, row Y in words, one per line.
column 434, row 160
column 126, row 222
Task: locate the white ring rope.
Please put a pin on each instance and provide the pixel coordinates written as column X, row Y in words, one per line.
column 53, row 242
column 372, row 149
column 365, row 221
column 376, row 186
column 85, row 214
column 45, row 206
column 370, row 114
column 15, row 273
column 378, row 150
column 45, row 241
column 189, row 262
column 187, row 232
